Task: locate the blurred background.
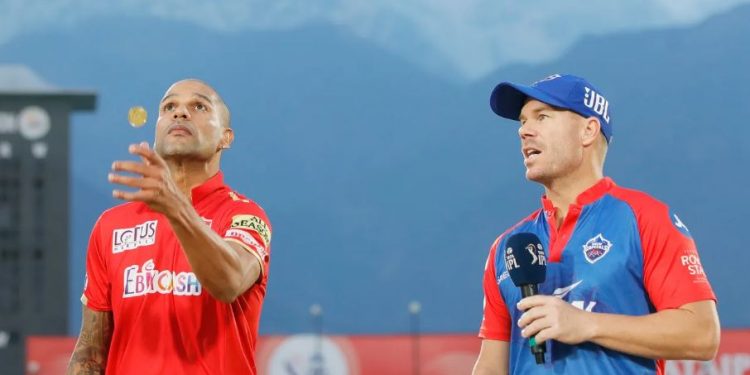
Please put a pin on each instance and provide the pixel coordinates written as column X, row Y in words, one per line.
column 363, row 128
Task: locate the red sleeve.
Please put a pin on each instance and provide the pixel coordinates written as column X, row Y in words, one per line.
column 672, row 271
column 248, row 226
column 96, row 289
column 495, row 318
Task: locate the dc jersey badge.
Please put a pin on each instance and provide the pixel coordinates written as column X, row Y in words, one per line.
column 596, row 248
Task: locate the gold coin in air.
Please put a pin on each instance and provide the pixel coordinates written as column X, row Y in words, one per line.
column 137, row 116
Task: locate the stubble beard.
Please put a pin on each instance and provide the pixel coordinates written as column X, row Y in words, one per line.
column 178, row 150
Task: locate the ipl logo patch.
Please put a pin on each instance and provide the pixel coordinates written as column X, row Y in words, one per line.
column 596, row 248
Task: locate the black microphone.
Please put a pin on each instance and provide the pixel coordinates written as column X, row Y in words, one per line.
column 527, row 265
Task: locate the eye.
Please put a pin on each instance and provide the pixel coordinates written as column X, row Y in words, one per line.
column 541, row 117
column 201, row 107
column 168, row 107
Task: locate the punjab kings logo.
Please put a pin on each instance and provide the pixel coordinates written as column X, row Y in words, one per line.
column 135, row 237
column 253, row 223
column 596, row 248
column 146, row 279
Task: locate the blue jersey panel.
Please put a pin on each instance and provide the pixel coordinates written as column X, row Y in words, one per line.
column 600, row 270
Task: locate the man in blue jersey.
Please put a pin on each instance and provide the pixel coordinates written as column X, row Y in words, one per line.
column 624, row 289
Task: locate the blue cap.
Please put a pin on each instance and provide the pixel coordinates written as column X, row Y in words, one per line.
column 563, row 91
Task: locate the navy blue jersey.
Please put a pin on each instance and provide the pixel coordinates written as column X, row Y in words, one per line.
column 617, row 251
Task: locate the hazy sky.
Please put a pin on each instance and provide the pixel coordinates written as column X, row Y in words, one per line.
column 468, row 38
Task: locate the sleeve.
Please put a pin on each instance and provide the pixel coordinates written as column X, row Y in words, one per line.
column 672, row 271
column 495, row 318
column 97, row 287
column 248, row 226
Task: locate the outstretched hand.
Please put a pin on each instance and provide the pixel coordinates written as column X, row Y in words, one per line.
column 155, row 185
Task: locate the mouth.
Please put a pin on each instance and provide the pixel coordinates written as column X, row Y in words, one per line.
column 530, row 153
column 178, row 129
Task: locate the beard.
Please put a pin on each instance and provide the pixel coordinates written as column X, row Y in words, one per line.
column 180, row 148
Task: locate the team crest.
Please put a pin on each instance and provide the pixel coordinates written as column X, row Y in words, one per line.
column 596, row 248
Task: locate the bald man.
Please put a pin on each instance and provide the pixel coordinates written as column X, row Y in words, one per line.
column 176, row 275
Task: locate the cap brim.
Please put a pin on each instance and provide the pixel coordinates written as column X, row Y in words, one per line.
column 507, row 99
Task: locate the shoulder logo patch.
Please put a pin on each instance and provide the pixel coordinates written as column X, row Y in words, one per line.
column 596, row 248
column 679, row 225
column 253, row 223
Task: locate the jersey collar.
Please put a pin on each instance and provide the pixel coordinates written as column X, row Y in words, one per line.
column 589, row 195
column 205, row 189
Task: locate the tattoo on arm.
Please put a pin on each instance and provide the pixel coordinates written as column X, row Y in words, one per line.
column 92, row 348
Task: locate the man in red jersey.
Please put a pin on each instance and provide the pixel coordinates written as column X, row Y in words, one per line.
column 175, row 277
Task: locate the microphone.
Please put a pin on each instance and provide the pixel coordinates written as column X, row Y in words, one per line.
column 527, row 266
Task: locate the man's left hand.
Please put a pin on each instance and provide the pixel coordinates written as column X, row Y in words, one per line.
column 155, row 185
column 550, row 317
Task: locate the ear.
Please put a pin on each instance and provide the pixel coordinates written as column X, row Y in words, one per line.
column 590, row 131
column 227, row 137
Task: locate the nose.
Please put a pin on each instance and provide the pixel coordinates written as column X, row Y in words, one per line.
column 525, row 131
column 181, row 112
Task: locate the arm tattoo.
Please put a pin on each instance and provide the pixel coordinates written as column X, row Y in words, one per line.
column 92, row 348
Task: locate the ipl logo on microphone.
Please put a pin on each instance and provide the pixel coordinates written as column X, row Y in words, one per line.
column 510, row 260
column 537, row 254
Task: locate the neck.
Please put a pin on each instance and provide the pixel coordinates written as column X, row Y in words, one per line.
column 565, row 190
column 187, row 174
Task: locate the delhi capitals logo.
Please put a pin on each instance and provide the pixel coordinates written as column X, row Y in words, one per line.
column 596, row 248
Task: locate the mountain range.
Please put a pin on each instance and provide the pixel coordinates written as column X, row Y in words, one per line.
column 387, row 183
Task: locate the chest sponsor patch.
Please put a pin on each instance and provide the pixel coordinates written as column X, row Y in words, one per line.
column 132, row 238
column 146, row 279
column 596, row 248
column 253, row 223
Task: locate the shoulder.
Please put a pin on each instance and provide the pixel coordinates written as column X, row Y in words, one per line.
column 238, row 204
column 121, row 213
column 646, row 208
column 649, row 211
column 640, row 201
column 517, row 227
column 244, row 213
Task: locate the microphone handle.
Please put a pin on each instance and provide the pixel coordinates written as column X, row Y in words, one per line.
column 529, row 290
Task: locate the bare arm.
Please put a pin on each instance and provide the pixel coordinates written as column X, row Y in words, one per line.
column 688, row 332
column 92, row 347
column 493, row 358
column 225, row 269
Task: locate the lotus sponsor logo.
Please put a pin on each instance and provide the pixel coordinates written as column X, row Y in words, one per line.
column 135, row 237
